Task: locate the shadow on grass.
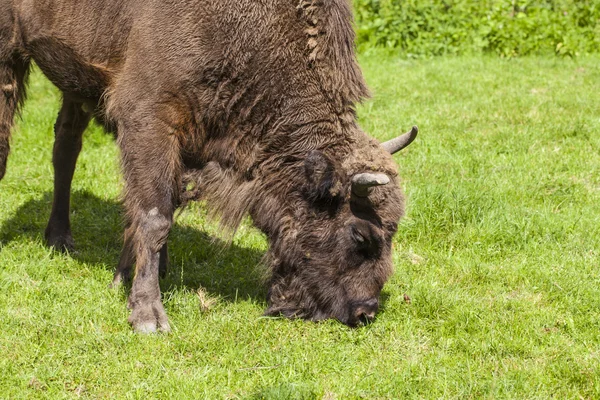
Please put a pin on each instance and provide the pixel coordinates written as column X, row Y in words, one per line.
column 195, row 259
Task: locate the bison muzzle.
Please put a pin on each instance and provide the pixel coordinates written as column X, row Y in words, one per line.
column 249, row 102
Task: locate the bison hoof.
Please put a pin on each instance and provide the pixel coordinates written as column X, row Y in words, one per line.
column 149, row 318
column 61, row 242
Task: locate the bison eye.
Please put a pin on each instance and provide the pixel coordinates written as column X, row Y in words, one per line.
column 366, row 243
column 363, row 241
column 358, row 237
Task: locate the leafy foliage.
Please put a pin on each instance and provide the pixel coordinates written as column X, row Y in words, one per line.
column 505, row 27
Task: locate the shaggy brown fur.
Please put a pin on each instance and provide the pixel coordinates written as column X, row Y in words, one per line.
column 256, row 97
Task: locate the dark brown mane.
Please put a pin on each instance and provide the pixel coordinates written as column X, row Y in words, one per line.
column 331, row 49
column 331, row 63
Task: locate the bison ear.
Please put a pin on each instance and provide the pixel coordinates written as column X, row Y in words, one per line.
column 323, row 181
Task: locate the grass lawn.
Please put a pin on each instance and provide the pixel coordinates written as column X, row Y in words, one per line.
column 496, row 292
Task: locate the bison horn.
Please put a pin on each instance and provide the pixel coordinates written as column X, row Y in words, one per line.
column 362, row 182
column 397, row 144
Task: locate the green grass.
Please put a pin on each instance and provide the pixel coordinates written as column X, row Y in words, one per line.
column 498, row 254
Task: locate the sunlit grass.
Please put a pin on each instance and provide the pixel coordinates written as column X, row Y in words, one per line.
column 496, row 291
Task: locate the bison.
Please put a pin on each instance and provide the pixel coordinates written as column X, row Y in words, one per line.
column 253, row 102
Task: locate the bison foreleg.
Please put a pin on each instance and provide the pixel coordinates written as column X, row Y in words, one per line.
column 123, row 271
column 148, row 314
column 151, row 166
column 127, row 259
column 68, row 131
column 163, row 262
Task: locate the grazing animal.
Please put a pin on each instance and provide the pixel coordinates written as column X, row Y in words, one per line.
column 252, row 101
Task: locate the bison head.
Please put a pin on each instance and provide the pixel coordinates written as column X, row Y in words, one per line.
column 331, row 246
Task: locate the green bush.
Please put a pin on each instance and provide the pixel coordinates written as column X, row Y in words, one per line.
column 505, row 27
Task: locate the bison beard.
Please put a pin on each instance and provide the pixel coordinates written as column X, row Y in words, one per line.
column 252, row 103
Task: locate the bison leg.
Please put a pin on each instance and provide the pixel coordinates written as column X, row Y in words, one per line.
column 151, row 166
column 123, row 272
column 147, row 312
column 68, row 131
column 164, row 259
column 13, row 74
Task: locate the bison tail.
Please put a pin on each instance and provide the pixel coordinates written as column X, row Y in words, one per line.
column 13, row 77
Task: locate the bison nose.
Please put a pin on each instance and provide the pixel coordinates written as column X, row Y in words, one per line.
column 365, row 311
